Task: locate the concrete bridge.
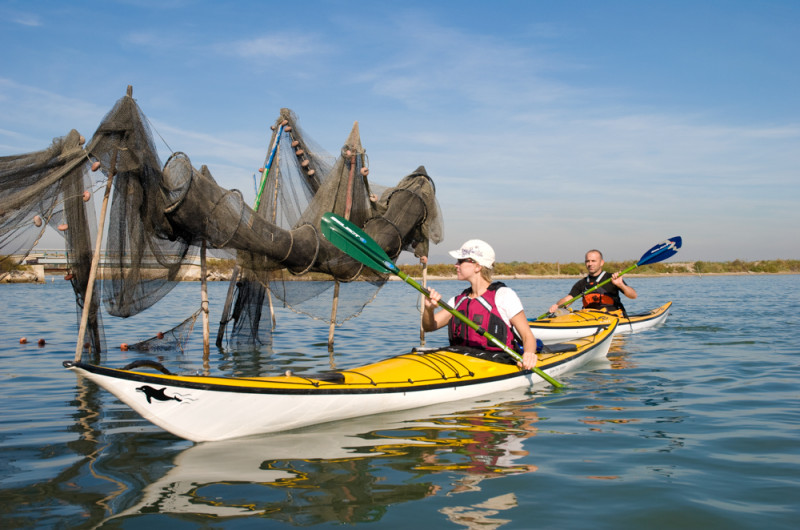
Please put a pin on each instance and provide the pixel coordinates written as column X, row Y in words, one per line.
column 53, row 260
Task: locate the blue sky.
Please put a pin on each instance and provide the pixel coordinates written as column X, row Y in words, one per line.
column 548, row 127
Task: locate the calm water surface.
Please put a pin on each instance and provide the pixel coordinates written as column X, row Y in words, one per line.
column 693, row 425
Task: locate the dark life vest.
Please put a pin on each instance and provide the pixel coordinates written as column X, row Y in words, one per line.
column 601, row 298
column 483, row 311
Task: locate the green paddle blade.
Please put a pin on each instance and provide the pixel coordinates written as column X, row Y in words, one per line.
column 351, row 240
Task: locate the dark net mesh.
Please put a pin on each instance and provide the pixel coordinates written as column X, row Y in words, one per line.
column 52, row 187
column 174, row 339
column 160, row 215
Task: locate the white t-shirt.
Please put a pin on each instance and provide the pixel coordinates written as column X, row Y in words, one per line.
column 507, row 302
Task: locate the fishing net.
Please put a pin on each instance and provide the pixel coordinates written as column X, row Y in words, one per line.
column 405, row 217
column 173, row 340
column 52, row 187
column 161, row 214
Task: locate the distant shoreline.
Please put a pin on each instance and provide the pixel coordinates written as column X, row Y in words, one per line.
column 16, row 277
column 578, row 276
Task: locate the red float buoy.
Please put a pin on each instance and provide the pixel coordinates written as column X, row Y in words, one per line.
column 295, row 143
column 42, row 342
column 86, row 195
column 159, row 335
column 96, row 166
column 299, row 152
column 365, row 171
column 37, row 220
column 311, row 172
column 81, row 140
column 23, row 340
column 63, row 227
column 123, row 346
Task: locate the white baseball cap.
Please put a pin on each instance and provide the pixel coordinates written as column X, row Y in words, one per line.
column 478, row 250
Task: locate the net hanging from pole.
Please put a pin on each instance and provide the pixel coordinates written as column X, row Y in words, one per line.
column 160, row 214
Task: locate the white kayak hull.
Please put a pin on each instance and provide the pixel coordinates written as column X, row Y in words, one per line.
column 582, row 323
column 202, row 408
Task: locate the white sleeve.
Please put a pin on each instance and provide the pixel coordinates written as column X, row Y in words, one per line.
column 508, row 303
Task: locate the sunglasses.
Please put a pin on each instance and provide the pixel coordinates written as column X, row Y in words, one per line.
column 468, row 260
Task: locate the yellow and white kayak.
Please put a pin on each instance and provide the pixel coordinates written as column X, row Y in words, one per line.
column 207, row 408
column 581, row 323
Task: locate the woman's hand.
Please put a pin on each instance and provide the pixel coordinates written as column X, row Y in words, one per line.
column 432, row 300
column 529, row 360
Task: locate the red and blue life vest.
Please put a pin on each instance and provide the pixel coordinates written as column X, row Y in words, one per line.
column 483, row 311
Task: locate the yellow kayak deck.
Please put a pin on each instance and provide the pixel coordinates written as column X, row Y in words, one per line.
column 449, row 366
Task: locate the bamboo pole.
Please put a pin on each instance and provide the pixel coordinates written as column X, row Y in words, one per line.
column 424, row 261
column 274, row 218
column 334, row 308
column 347, row 210
column 87, row 298
column 204, row 301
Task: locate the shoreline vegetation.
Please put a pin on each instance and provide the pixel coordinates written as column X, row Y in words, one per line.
column 220, row 270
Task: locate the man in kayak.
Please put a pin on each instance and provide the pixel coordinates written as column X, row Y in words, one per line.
column 604, row 297
column 491, row 305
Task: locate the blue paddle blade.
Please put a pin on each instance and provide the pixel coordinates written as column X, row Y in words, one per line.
column 661, row 251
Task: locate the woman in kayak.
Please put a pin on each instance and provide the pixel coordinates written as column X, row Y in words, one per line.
column 491, row 305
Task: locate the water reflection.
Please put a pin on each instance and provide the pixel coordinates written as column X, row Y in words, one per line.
column 350, row 472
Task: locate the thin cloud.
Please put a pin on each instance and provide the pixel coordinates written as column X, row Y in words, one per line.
column 277, row 46
column 25, row 19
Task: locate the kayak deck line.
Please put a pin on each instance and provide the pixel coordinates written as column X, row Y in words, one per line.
column 427, row 369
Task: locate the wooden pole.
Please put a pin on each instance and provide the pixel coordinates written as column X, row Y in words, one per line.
column 274, row 218
column 333, row 314
column 347, row 210
column 424, row 261
column 87, row 298
column 204, row 301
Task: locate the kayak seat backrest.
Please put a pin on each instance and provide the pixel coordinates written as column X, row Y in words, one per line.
column 562, row 347
column 494, row 356
column 328, row 377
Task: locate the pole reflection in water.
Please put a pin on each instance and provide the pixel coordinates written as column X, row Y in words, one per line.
column 349, row 472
